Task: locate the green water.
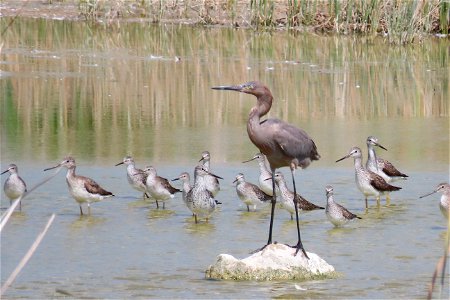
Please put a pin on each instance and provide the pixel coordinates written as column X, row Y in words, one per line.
column 99, row 94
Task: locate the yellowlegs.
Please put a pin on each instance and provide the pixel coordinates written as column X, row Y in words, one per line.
column 14, row 186
column 136, row 177
column 212, row 183
column 249, row 193
column 381, row 166
column 159, row 187
column 368, row 182
column 82, row 189
column 444, row 204
column 336, row 213
column 186, row 180
column 283, row 144
column 199, row 199
column 287, row 198
column 264, row 173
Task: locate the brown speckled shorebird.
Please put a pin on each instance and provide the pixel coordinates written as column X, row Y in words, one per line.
column 336, row 213
column 14, row 186
column 368, row 182
column 250, row 193
column 82, row 189
column 264, row 173
column 287, row 198
column 136, row 177
column 159, row 187
column 381, row 166
column 211, row 182
column 444, row 203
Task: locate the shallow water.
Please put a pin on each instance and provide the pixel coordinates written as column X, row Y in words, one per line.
column 101, row 94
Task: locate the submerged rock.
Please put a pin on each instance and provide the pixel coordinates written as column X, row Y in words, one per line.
column 275, row 262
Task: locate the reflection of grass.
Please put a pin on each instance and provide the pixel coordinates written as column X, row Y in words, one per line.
column 440, row 268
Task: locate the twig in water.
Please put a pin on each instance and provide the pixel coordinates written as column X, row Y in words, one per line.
column 27, row 256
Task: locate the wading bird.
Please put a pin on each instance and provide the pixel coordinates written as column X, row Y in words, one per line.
column 159, row 187
column 211, row 182
column 368, row 182
column 381, row 166
column 136, row 177
column 249, row 193
column 444, row 204
column 336, row 213
column 14, row 186
column 283, row 144
column 264, row 184
column 82, row 189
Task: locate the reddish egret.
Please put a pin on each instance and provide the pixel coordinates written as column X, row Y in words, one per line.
column 82, row 189
column 283, row 144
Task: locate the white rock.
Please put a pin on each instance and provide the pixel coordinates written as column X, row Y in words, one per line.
column 275, row 262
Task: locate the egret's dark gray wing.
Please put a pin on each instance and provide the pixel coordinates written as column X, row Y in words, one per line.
column 293, row 141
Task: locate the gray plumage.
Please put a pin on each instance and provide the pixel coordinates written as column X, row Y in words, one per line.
column 336, row 213
column 82, row 189
column 136, row 177
column 381, row 166
column 287, row 197
column 14, row 186
column 264, row 173
column 368, row 182
column 249, row 193
column 212, row 183
column 159, row 187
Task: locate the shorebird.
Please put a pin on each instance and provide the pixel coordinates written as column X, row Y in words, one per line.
column 444, row 203
column 283, row 144
column 368, row 182
column 136, row 177
column 82, row 189
column 186, row 180
column 249, row 193
column 264, row 173
column 212, row 183
column 14, row 186
column 199, row 199
column 159, row 187
column 336, row 213
column 381, row 166
column 287, row 198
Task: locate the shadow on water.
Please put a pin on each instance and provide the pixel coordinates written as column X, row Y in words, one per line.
column 87, row 221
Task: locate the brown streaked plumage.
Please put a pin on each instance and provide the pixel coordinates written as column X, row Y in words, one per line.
column 82, row 189
column 283, row 144
column 368, row 182
column 381, row 166
column 336, row 213
column 159, row 187
column 287, row 197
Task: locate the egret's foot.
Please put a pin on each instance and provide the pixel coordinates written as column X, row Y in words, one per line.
column 262, row 248
column 299, row 247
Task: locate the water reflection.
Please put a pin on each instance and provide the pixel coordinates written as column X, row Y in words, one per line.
column 77, row 90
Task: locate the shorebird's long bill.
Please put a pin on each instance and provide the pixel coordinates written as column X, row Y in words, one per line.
column 175, row 179
column 347, row 156
column 249, row 160
column 51, row 168
column 121, row 163
column 270, row 178
column 380, row 146
column 428, row 194
column 4, row 172
column 218, row 177
column 237, row 88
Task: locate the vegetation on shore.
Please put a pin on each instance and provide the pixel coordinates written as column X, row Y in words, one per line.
column 399, row 21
